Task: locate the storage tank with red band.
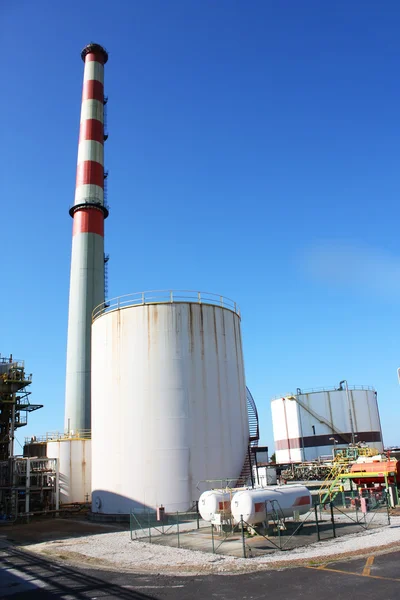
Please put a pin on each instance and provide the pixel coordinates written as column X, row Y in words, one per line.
column 255, row 505
column 214, row 502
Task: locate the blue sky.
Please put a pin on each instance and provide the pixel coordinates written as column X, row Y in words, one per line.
column 253, row 152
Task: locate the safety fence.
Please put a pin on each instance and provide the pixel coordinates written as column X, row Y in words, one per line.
column 242, row 539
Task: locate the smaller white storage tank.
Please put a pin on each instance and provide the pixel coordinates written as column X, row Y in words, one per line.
column 75, row 464
column 214, row 502
column 310, row 423
column 254, row 505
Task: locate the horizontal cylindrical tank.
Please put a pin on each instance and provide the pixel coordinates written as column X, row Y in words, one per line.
column 372, row 471
column 168, row 402
column 308, row 425
column 74, row 460
column 254, row 505
column 214, row 502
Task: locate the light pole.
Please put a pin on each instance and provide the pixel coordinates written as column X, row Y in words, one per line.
column 350, row 413
column 335, row 441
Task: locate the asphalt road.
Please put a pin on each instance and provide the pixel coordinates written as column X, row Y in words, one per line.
column 24, row 576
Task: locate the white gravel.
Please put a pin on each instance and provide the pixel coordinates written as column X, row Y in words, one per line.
column 116, row 550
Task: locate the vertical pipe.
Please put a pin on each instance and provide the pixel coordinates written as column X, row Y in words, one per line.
column 256, row 465
column 350, row 411
column 212, row 538
column 333, row 520
column 57, row 484
column 317, row 522
column 27, row 487
column 303, row 450
column 12, row 429
column 251, row 467
column 388, row 502
column 243, row 540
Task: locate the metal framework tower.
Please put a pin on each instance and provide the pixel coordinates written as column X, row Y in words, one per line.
column 87, row 258
column 14, row 403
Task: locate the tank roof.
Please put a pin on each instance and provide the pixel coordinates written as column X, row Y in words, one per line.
column 96, row 49
column 300, row 392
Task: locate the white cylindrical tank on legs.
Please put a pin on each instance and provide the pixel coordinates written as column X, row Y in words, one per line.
column 168, row 400
column 214, row 502
column 254, row 505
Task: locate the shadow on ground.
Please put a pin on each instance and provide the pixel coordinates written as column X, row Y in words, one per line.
column 47, row 529
column 26, row 576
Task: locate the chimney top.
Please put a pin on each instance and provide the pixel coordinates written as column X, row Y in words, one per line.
column 95, row 49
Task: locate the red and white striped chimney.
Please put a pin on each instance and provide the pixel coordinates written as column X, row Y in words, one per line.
column 87, row 259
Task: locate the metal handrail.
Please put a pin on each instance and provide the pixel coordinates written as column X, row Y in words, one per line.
column 50, row 436
column 11, row 361
column 368, row 388
column 164, row 297
column 252, row 415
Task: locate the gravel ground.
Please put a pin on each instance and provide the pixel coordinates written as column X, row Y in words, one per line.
column 117, row 551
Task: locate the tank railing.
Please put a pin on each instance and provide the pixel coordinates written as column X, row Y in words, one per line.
column 365, row 388
column 51, row 436
column 164, row 297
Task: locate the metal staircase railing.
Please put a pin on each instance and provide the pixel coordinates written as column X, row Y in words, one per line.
column 329, row 489
column 344, row 458
column 254, row 436
column 253, row 419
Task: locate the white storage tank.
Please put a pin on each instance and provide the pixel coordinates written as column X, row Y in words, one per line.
column 74, row 460
column 309, row 424
column 255, row 505
column 214, row 502
column 168, row 400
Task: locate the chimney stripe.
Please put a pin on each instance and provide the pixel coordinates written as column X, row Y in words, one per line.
column 90, row 150
column 92, row 109
column 93, row 90
column 90, row 171
column 94, row 56
column 89, row 193
column 93, row 70
column 88, row 220
column 91, row 129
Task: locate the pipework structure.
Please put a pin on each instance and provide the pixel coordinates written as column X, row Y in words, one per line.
column 87, row 259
